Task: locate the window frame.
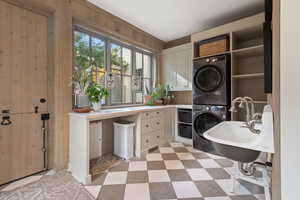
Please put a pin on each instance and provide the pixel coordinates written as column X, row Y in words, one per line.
column 108, row 40
column 143, row 77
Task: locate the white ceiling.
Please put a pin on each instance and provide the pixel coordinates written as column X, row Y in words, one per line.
column 173, row 19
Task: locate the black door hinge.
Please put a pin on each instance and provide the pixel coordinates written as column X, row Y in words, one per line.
column 36, row 109
column 45, row 116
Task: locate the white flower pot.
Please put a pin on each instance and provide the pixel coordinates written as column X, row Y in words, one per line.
column 96, row 106
column 81, row 100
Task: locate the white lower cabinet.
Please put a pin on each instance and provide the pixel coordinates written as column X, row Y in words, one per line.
column 156, row 128
column 95, row 139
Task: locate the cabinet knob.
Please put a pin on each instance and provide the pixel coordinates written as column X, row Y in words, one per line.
column 42, row 100
column 147, row 126
column 157, row 136
column 157, row 112
column 157, row 123
column 147, row 141
column 147, row 114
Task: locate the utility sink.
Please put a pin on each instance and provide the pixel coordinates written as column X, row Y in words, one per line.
column 238, row 143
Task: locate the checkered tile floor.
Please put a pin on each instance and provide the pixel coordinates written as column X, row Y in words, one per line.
column 173, row 171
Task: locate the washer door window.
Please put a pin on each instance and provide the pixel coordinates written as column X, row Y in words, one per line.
column 208, row 78
column 205, row 121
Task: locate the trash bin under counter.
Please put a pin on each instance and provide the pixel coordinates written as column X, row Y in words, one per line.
column 124, row 139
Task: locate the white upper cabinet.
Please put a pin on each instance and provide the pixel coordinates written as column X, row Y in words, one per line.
column 177, row 67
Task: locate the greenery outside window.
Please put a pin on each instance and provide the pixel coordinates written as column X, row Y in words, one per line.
column 101, row 58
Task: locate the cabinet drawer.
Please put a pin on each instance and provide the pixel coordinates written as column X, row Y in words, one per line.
column 185, row 130
column 151, row 140
column 148, row 141
column 147, row 125
column 158, row 136
column 152, row 124
column 148, row 115
column 157, row 113
column 157, row 123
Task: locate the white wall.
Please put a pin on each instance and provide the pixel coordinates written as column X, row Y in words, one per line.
column 290, row 99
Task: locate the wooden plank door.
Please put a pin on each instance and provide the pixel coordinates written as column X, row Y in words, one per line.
column 23, row 89
column 23, row 59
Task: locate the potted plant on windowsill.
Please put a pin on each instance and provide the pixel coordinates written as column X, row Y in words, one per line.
column 148, row 98
column 160, row 95
column 80, row 81
column 96, row 93
column 167, row 95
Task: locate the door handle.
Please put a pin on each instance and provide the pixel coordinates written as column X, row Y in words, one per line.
column 6, row 121
column 6, row 118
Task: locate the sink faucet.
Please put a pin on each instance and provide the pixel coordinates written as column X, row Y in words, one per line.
column 242, row 101
column 252, row 118
column 251, row 101
column 255, row 120
column 234, row 101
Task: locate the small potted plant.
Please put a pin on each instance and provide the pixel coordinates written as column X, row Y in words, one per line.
column 158, row 94
column 167, row 98
column 148, row 97
column 80, row 82
column 96, row 93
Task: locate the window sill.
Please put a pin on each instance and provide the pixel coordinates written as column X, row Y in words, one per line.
column 122, row 106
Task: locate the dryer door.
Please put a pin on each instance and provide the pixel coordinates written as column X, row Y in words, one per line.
column 208, row 78
column 205, row 121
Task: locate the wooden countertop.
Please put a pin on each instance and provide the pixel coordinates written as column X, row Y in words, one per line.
column 121, row 112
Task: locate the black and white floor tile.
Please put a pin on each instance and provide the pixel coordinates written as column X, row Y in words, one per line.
column 172, row 172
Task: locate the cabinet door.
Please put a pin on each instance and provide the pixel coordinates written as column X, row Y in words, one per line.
column 180, row 69
column 95, row 139
column 177, row 67
column 189, row 67
column 169, row 73
column 169, row 124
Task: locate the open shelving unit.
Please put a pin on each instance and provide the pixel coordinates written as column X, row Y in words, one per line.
column 246, row 49
column 244, row 76
column 247, row 67
column 249, row 51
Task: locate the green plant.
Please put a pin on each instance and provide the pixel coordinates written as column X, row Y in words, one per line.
column 96, row 92
column 160, row 92
column 80, row 80
column 168, row 94
column 148, row 93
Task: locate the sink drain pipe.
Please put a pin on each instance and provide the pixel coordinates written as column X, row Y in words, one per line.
column 249, row 169
column 247, row 173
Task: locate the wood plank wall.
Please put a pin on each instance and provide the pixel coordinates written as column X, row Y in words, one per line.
column 101, row 20
column 62, row 14
column 177, row 42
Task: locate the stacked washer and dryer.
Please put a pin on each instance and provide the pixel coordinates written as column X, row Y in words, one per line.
column 211, row 97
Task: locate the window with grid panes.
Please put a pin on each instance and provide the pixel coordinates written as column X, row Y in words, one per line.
column 98, row 55
column 143, row 68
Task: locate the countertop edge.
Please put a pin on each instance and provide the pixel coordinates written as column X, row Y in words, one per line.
column 123, row 112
